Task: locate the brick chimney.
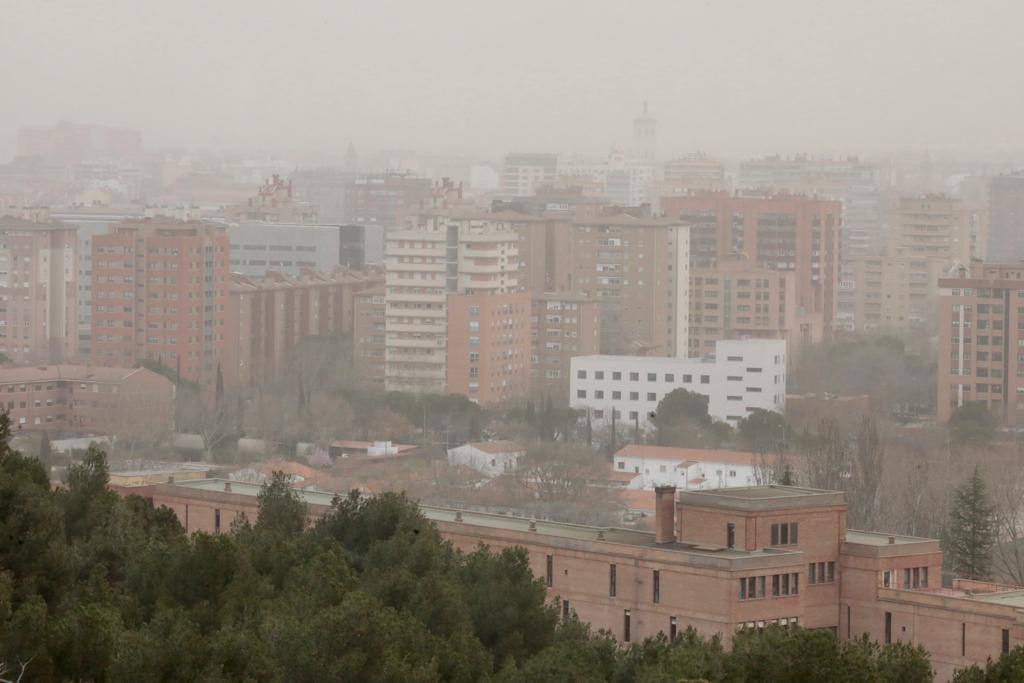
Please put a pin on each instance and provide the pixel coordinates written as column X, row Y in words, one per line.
column 664, row 514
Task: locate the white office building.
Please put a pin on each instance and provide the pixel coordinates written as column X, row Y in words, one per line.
column 283, row 247
column 743, row 375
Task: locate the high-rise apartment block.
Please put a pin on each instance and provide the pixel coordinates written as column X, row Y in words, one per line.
column 563, row 325
column 369, row 308
column 981, row 341
column 445, row 256
column 38, row 290
column 258, row 247
column 275, row 202
column 161, row 291
column 1006, row 218
column 69, row 143
column 782, row 232
column 385, row 200
column 524, row 174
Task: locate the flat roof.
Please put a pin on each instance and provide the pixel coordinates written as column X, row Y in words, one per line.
column 1010, row 598
column 761, row 498
column 881, row 538
column 512, row 523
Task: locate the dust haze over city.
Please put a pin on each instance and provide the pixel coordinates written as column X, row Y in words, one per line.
column 526, row 341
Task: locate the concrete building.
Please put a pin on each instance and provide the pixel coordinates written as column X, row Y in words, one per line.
column 267, row 318
column 645, row 137
column 781, row 232
column 636, row 267
column 718, row 561
column 524, row 174
column 1005, row 218
column 981, row 341
column 368, row 335
column 274, row 202
column 690, row 172
column 491, row 458
column 85, row 399
column 161, row 291
column 619, row 179
column 690, row 468
column 68, row 144
column 737, row 301
column 742, row 376
column 562, row 326
column 462, row 258
column 290, row 248
column 38, row 290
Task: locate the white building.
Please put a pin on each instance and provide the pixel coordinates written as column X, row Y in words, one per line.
column 743, row 376
column 689, row 468
column 523, row 174
column 622, row 179
column 492, row 458
column 283, row 247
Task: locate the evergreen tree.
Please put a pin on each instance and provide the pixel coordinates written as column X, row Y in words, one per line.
column 972, row 531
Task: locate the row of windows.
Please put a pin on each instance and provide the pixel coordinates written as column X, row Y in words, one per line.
column 785, row 534
column 783, row 585
column 821, row 572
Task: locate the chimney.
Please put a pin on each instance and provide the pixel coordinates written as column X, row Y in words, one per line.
column 664, row 514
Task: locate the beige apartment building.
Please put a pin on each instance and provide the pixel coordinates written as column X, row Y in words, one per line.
column 441, row 256
column 369, row 308
column 562, row 325
column 38, row 290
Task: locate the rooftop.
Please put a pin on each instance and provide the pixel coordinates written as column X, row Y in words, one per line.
column 496, row 447
column 71, row 373
column 762, row 498
column 879, row 538
column 509, row 523
column 688, row 455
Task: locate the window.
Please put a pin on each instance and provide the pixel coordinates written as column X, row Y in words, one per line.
column 673, row 629
column 888, row 628
column 906, row 578
column 599, row 374
column 705, row 379
column 784, row 534
column 963, row 637
column 832, row 572
column 216, row 520
column 616, row 375
column 811, row 574
column 565, row 609
column 652, row 377
column 634, row 377
column 634, row 396
column 730, row 535
column 775, row 585
column 581, row 374
column 669, row 377
column 625, row 626
column 611, row 580
column 657, row 587
column 651, row 396
column 581, row 393
column 598, row 394
column 743, row 589
column 616, row 395
column 1006, row 641
column 550, row 570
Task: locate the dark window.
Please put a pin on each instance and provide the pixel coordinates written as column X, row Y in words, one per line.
column 760, row 586
column 216, row 520
column 810, row 574
column 785, row 584
column 794, row 584
column 793, row 529
column 917, row 578
column 673, row 629
column 783, row 534
column 924, row 577
column 1006, row 641
column 581, row 374
column 730, row 535
column 743, row 589
column 611, row 580
column 775, row 534
column 550, row 573
column 775, row 585
column 848, row 618
column 625, row 626
column 616, row 375
column 657, row 586
column 963, row 639
column 565, row 609
column 906, row 578
column 888, row 628
column 832, row 572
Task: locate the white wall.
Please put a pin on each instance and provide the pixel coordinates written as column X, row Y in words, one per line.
column 491, row 464
column 745, row 375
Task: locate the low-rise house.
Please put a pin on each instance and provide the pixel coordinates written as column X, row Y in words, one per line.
column 489, row 457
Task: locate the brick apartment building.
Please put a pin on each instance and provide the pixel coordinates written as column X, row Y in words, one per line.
column 562, row 325
column 368, row 311
column 737, row 301
column 781, row 232
column 719, row 560
column 267, row 317
column 38, row 290
column 386, row 200
column 981, row 341
column 84, row 399
column 636, row 267
column 1005, row 218
column 161, row 291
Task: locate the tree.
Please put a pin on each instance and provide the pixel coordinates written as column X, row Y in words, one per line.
column 826, row 458
column 682, row 419
column 865, row 475
column 972, row 531
column 763, row 431
column 972, row 424
column 280, row 508
column 1009, row 667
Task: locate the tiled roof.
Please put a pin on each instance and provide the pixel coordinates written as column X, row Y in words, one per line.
column 72, row 373
column 495, row 447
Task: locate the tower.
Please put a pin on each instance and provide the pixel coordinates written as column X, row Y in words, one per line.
column 645, row 136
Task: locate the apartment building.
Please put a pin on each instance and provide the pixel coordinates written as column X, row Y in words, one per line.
column 268, row 317
column 719, row 560
column 386, row 200
column 84, row 399
column 444, row 256
column 38, row 290
column 736, row 301
column 523, row 174
column 488, row 351
column 636, row 267
column 981, row 341
column 161, row 291
column 562, row 326
column 778, row 232
column 741, row 377
column 274, row 202
column 369, row 308
column 1005, row 218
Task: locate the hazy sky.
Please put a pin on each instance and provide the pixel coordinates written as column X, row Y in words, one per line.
column 478, row 76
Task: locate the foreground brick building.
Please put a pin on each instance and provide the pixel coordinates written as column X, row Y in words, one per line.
column 719, row 560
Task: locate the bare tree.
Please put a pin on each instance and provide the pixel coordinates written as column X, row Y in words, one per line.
column 1008, row 501
column 866, row 474
column 6, row 671
column 826, row 458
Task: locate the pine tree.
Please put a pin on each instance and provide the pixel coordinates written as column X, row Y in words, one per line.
column 972, row 531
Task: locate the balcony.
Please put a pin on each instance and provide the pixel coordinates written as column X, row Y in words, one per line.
column 433, row 343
